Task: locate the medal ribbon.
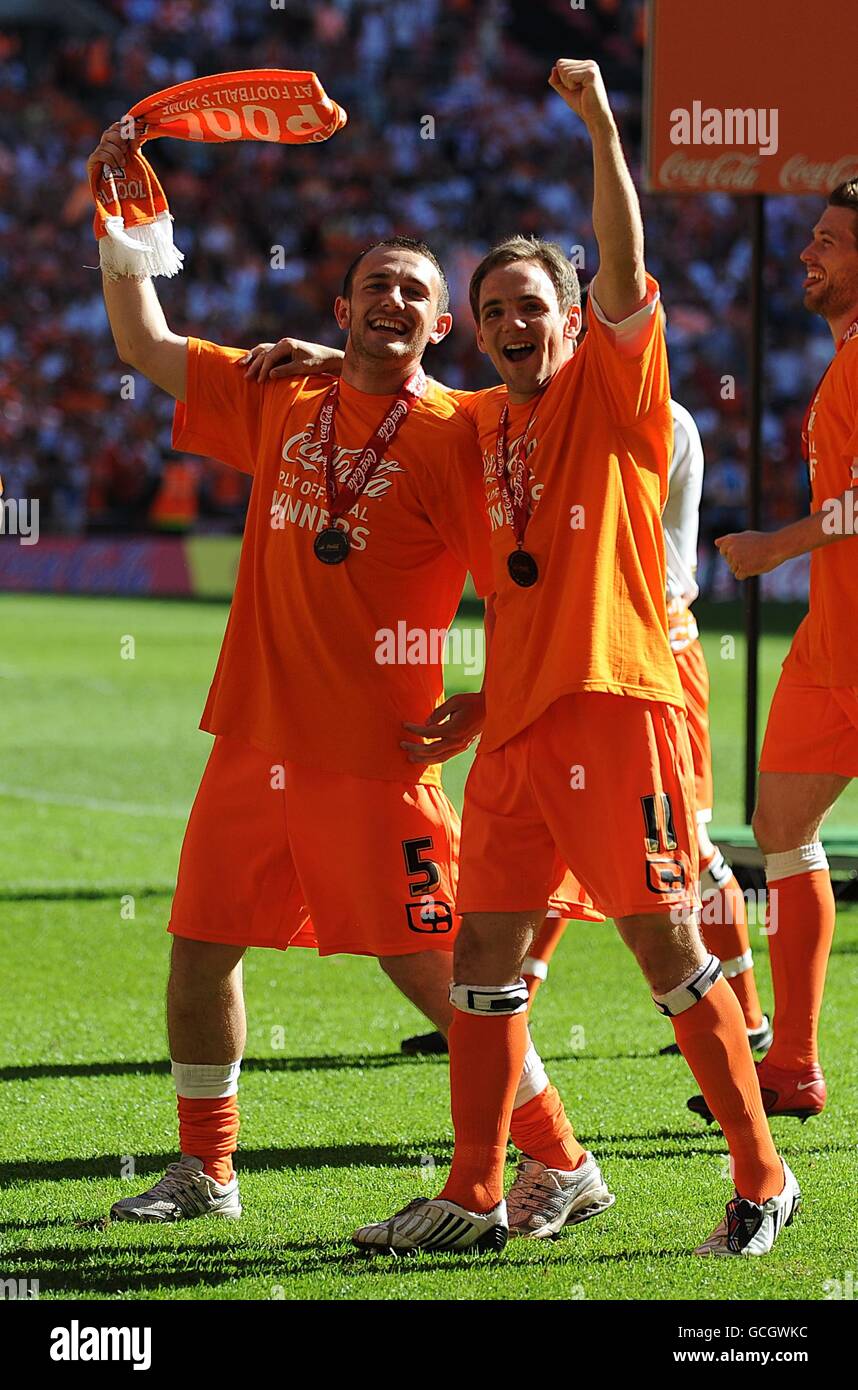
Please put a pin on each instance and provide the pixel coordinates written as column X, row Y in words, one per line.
column 339, row 501
column 512, row 481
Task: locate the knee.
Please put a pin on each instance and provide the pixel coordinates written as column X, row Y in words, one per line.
column 487, row 951
column 472, row 951
column 196, row 963
column 667, row 952
column 771, row 832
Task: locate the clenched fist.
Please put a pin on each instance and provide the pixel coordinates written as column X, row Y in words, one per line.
column 749, row 552
column 113, row 148
column 580, row 85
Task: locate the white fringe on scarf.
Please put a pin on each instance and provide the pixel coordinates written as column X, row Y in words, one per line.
column 139, row 252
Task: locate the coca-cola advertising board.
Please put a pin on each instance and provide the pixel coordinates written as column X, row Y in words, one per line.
column 750, row 96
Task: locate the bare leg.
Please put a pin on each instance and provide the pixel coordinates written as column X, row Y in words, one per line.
column 424, row 978
column 791, row 807
column 205, row 1002
column 666, row 952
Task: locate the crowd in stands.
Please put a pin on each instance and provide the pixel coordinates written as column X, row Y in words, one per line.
column 500, row 154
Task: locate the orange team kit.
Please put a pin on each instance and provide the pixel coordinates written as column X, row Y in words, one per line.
column 309, row 809
column 561, row 757
column 813, row 720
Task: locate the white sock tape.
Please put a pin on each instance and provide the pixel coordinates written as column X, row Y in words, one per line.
column 206, row 1080
column 535, row 967
column 534, row 1079
column 795, row 861
column 718, row 870
column 691, row 991
column 490, row 999
column 738, row 965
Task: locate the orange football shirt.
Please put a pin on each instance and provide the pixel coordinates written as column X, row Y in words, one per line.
column 824, row 650
column 321, row 664
column 599, row 442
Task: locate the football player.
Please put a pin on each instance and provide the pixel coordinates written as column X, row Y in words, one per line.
column 584, row 757
column 810, row 750
column 366, row 512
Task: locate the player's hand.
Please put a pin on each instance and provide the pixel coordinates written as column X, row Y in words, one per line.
column 290, row 357
column 749, row 552
column 451, row 728
column 580, row 84
column 114, row 148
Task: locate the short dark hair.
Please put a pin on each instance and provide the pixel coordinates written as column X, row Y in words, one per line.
column 408, row 243
column 548, row 254
column 845, row 195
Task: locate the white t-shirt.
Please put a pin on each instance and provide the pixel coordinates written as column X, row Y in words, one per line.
column 681, row 515
column 681, row 522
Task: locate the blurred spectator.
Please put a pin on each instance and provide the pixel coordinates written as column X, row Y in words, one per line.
column 500, row 154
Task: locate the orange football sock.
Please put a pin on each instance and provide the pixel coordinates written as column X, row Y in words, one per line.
column 208, row 1129
column 541, row 1130
column 712, row 1039
column 727, row 938
column 486, row 1058
column 799, row 949
column 542, row 948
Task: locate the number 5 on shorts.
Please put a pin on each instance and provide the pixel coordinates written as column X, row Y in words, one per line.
column 425, row 873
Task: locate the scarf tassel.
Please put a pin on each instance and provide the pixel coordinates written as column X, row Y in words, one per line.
column 136, row 253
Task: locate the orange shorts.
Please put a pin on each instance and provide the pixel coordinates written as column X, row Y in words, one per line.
column 812, row 728
column 694, row 678
column 601, row 783
column 319, row 858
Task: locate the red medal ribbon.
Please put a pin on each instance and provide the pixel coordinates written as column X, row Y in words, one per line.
column 512, row 482
column 339, row 501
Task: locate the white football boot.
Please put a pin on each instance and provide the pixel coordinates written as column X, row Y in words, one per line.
column 185, row 1191
column 751, row 1229
column 434, row 1223
column 543, row 1200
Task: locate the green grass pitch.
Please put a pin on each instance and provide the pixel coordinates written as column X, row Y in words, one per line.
column 101, row 760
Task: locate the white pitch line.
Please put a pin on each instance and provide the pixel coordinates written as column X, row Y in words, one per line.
column 92, row 803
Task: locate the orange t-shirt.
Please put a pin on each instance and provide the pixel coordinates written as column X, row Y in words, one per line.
column 824, row 650
column 321, row 664
column 599, row 443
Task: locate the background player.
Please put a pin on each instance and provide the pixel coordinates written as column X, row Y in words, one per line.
column 581, row 680
column 810, row 751
column 309, row 808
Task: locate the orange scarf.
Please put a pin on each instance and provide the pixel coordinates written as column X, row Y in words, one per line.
column 132, row 220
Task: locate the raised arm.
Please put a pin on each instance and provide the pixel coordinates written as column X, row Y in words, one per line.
column 619, row 284
column 140, row 331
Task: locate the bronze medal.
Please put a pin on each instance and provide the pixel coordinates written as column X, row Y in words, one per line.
column 332, row 545
column 523, row 569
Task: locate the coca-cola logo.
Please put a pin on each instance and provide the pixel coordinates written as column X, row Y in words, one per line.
column 739, row 171
column 801, row 174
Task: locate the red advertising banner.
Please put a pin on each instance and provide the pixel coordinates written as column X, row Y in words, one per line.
column 64, row 565
column 750, row 96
